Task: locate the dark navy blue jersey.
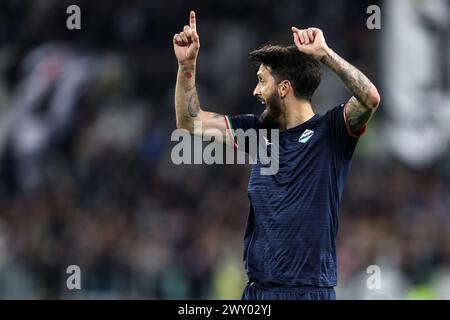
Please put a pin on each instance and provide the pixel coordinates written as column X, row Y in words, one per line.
column 290, row 236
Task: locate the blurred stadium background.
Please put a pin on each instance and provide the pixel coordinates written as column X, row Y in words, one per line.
column 85, row 170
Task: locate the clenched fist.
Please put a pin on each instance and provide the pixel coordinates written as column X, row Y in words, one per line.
column 186, row 44
column 310, row 41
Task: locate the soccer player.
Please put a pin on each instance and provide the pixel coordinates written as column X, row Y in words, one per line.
column 290, row 237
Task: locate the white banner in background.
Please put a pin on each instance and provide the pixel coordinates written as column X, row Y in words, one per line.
column 416, row 79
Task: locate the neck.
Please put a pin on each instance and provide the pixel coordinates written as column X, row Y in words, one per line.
column 296, row 112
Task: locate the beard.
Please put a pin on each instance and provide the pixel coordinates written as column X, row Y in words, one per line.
column 272, row 115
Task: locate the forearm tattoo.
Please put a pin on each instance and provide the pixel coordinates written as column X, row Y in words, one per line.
column 193, row 105
column 358, row 84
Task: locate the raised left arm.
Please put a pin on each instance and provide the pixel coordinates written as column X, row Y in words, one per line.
column 366, row 99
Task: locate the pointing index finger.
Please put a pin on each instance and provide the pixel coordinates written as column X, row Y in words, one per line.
column 192, row 21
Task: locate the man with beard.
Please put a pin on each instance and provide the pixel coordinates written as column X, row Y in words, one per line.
column 290, row 237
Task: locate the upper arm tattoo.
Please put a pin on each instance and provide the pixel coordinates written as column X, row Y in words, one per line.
column 193, row 105
column 357, row 115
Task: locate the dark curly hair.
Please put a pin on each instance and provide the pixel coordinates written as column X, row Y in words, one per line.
column 288, row 63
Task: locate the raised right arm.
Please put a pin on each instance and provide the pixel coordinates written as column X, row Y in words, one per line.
column 187, row 106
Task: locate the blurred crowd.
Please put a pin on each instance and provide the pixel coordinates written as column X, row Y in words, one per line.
column 86, row 176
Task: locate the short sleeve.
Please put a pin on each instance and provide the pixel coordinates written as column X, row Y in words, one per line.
column 243, row 121
column 342, row 138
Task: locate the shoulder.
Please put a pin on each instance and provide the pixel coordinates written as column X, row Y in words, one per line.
column 243, row 121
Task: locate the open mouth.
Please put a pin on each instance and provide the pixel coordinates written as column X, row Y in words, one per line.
column 261, row 100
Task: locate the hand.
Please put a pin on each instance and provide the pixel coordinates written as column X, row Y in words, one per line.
column 186, row 44
column 310, row 41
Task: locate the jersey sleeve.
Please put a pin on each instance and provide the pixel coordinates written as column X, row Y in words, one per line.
column 342, row 137
column 244, row 122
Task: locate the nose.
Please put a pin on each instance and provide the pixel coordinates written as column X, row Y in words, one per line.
column 256, row 92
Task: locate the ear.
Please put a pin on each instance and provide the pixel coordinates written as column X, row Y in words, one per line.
column 284, row 87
